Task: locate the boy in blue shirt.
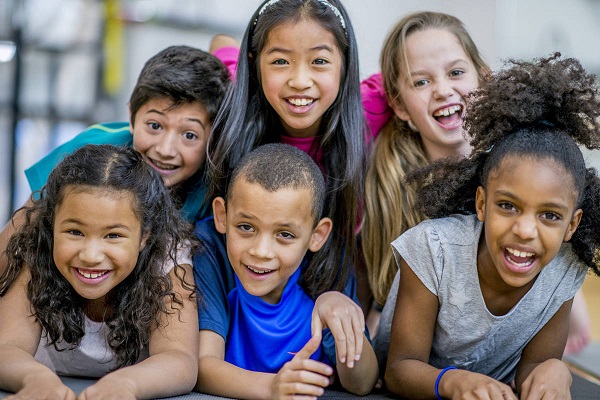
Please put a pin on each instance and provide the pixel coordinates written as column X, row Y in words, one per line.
column 172, row 107
column 257, row 322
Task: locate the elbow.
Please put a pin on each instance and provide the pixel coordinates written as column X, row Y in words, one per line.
column 189, row 374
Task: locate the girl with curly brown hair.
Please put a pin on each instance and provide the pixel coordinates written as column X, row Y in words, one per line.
column 485, row 286
column 99, row 284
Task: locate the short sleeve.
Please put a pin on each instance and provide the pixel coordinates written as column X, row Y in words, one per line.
column 228, row 56
column 116, row 133
column 214, row 278
column 375, row 107
column 420, row 247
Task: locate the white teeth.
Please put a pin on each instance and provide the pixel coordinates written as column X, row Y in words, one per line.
column 92, row 275
column 256, row 271
column 518, row 253
column 300, row 102
column 163, row 166
column 447, row 111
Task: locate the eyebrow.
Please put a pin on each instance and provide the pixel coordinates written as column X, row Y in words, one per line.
column 155, row 111
column 448, row 65
column 546, row 205
column 108, row 227
column 283, row 224
column 288, row 51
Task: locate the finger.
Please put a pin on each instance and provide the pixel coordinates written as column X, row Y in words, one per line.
column 316, row 325
column 359, row 334
column 339, row 337
column 293, row 389
column 309, row 348
column 350, row 344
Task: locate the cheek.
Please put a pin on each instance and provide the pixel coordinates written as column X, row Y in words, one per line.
column 194, row 157
column 141, row 141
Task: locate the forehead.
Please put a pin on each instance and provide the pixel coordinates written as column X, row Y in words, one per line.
column 166, row 106
column 303, row 35
column 434, row 46
column 535, row 178
column 285, row 202
column 98, row 204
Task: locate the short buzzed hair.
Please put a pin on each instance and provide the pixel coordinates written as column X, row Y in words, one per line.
column 277, row 166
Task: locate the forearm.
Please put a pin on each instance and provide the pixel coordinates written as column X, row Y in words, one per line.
column 220, row 378
column 411, row 378
column 19, row 369
column 164, row 374
column 361, row 378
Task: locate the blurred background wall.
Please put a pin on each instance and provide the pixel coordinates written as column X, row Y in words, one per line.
column 65, row 64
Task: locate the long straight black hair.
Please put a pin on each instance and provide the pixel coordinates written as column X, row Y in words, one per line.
column 246, row 120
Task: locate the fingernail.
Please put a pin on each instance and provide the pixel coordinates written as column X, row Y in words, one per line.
column 343, row 360
column 357, row 357
column 350, row 364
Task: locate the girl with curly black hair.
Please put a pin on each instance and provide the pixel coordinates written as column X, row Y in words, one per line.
column 87, row 290
column 485, row 287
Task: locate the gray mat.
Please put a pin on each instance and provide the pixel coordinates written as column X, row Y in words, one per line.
column 588, row 360
column 581, row 390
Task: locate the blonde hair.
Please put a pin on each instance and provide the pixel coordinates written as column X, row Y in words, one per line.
column 389, row 201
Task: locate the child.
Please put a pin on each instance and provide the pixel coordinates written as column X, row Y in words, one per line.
column 297, row 82
column 256, row 311
column 429, row 63
column 172, row 108
column 86, row 289
column 485, row 289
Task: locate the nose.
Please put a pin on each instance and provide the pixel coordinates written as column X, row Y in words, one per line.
column 525, row 227
column 261, row 247
column 443, row 89
column 92, row 253
column 300, row 77
column 166, row 145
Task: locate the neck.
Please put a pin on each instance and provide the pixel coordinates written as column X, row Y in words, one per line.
column 438, row 152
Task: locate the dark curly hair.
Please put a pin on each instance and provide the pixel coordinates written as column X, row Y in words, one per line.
column 137, row 302
column 542, row 109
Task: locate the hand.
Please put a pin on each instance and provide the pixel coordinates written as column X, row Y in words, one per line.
column 109, row 387
column 301, row 375
column 220, row 40
column 346, row 321
column 45, row 389
column 549, row 380
column 460, row 384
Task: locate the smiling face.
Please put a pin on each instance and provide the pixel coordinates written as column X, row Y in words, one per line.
column 97, row 240
column 300, row 69
column 529, row 210
column 172, row 140
column 432, row 98
column 268, row 234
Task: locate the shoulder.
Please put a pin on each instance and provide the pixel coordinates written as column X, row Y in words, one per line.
column 210, row 261
column 454, row 229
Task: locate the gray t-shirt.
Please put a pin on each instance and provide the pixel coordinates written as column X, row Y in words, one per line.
column 443, row 254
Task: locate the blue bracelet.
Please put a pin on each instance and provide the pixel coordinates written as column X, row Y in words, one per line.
column 437, row 381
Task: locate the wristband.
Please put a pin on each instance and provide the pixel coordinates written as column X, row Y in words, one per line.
column 437, row 381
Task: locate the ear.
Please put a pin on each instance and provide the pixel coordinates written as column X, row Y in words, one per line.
column 400, row 110
column 320, row 234
column 480, row 203
column 145, row 237
column 220, row 214
column 130, row 120
column 573, row 224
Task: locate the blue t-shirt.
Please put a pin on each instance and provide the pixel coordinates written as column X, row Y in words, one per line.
column 117, row 134
column 258, row 336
